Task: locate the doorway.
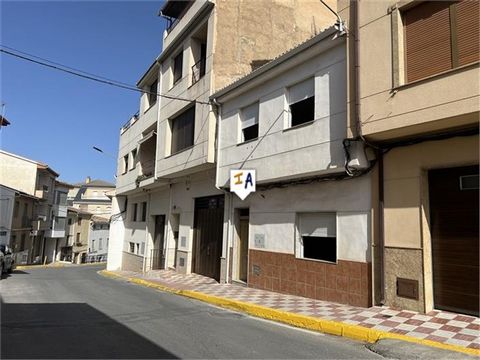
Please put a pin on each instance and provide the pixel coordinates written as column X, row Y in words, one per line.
column 242, row 244
column 157, row 255
column 208, row 234
column 454, row 213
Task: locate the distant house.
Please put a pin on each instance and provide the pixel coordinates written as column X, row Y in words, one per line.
column 90, row 196
column 98, row 239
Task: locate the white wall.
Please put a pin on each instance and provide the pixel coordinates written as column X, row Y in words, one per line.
column 281, row 151
column 116, row 235
column 7, row 203
column 273, row 214
column 18, row 173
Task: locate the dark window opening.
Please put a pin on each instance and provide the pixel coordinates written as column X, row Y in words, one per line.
column 144, row 211
column 183, row 129
column 303, row 111
column 177, row 68
column 152, row 93
column 134, row 212
column 320, row 248
column 250, row 132
column 132, row 247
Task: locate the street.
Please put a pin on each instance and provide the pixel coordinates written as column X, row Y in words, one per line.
column 75, row 313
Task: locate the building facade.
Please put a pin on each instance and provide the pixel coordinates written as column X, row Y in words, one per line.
column 417, row 91
column 98, row 239
column 90, row 196
column 166, row 166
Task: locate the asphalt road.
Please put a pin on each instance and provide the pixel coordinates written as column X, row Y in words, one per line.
column 75, row 313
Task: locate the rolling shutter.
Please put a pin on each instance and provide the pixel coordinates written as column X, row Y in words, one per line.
column 467, row 28
column 427, row 39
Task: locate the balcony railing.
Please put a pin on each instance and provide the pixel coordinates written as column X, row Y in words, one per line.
column 148, row 167
column 198, row 70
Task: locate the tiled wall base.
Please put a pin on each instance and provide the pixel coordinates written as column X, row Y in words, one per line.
column 347, row 282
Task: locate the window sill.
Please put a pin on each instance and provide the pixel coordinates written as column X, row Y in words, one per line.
column 317, row 260
column 299, row 126
column 179, row 152
column 247, row 142
column 435, row 76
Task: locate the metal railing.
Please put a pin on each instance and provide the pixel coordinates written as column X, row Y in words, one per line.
column 198, row 70
column 157, row 259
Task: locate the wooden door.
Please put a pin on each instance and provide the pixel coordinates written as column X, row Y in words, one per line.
column 208, row 225
column 454, row 213
column 158, row 251
column 243, row 250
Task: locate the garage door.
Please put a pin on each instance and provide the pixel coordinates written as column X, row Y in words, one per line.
column 454, row 227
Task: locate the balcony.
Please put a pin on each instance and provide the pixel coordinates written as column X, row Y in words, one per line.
column 60, row 211
column 57, row 230
column 198, row 70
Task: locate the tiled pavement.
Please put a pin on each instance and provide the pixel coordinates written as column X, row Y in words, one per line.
column 439, row 326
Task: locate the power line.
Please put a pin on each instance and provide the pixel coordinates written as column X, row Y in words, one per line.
column 85, row 75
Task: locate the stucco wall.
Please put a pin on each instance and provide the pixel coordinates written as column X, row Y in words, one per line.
column 259, row 30
column 116, row 235
column 18, row 173
column 6, row 210
column 281, row 151
column 392, row 110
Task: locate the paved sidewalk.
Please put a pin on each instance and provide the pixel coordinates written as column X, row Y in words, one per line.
column 437, row 328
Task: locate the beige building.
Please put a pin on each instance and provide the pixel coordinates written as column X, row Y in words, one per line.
column 416, row 93
column 90, row 196
column 39, row 180
column 166, row 163
column 78, row 233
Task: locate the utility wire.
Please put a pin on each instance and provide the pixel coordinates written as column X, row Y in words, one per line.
column 69, row 70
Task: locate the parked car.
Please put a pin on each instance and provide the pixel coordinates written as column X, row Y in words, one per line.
column 7, row 260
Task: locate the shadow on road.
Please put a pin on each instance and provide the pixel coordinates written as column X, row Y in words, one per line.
column 69, row 330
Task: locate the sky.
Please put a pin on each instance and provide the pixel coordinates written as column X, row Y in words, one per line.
column 57, row 118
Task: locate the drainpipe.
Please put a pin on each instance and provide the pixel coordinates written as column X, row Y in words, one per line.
column 379, row 153
column 227, row 194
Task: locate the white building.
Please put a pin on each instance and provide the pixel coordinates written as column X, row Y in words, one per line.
column 166, row 200
column 307, row 229
column 98, row 238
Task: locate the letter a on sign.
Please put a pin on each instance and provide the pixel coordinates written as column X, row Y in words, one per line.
column 242, row 182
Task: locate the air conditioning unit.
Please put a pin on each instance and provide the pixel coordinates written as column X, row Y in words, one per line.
column 358, row 156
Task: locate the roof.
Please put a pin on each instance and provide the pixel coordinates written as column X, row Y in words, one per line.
column 95, row 183
column 275, row 62
column 78, row 211
column 64, row 184
column 100, row 219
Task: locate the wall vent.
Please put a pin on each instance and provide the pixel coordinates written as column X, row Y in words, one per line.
column 407, row 288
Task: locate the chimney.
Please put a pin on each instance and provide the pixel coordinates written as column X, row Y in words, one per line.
column 87, row 180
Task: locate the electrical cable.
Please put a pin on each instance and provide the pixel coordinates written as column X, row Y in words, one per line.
column 82, row 74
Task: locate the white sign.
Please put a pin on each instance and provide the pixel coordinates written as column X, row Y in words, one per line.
column 242, row 182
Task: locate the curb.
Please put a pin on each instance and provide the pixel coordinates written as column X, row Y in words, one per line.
column 331, row 327
column 55, row 266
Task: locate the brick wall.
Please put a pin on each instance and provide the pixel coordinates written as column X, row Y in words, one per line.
column 347, row 282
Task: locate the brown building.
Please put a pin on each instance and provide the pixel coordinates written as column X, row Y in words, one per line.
column 414, row 96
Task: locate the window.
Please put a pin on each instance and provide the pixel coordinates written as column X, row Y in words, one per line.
column 100, row 244
column 144, row 211
column 134, row 212
column 439, row 36
column 317, row 236
column 177, row 67
column 152, row 93
column 93, row 245
column 301, row 102
column 78, row 238
column 125, row 164
column 249, row 122
column 132, row 247
column 134, row 158
column 69, row 221
column 79, row 222
column 183, row 129
column 138, row 249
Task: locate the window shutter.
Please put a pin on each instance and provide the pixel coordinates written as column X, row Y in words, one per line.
column 467, row 26
column 250, row 116
column 301, row 91
column 318, row 224
column 427, row 39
